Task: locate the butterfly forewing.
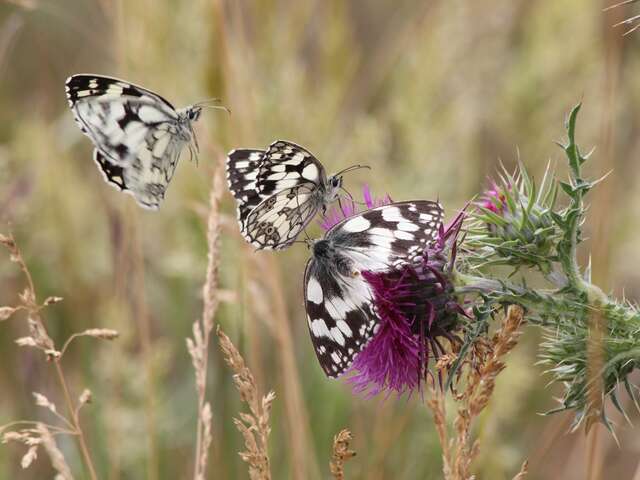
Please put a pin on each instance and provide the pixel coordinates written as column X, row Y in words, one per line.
column 83, row 86
column 338, row 300
column 243, row 166
column 285, row 165
column 137, row 134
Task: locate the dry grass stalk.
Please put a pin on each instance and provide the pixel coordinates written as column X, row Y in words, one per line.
column 36, row 433
column 436, row 404
column 524, row 471
column 57, row 458
column 269, row 302
column 481, row 372
column 253, row 426
column 341, row 453
column 198, row 345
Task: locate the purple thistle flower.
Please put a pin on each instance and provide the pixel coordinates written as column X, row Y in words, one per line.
column 493, row 199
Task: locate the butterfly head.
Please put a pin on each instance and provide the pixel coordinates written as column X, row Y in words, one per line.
column 334, row 184
column 193, row 113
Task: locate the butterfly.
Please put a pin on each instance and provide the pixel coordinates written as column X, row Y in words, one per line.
column 339, row 302
column 138, row 135
column 279, row 191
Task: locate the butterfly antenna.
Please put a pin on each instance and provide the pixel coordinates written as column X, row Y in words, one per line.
column 352, row 168
column 217, row 107
column 204, row 103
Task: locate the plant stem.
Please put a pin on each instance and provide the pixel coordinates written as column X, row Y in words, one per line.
column 76, row 422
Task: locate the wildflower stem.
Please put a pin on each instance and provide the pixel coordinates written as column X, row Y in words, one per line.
column 75, row 421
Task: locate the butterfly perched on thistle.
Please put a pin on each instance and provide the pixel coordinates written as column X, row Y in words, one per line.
column 341, row 301
column 138, row 135
column 279, row 191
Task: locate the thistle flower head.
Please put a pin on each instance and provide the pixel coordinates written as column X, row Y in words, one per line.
column 515, row 221
column 493, row 199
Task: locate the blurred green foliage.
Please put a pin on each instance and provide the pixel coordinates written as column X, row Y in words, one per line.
column 429, row 94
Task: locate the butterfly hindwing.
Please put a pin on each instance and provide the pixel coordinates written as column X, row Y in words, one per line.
column 338, row 300
column 340, row 316
column 278, row 219
column 112, row 173
column 137, row 133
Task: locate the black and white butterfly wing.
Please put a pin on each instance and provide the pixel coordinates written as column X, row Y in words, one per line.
column 338, row 300
column 285, row 165
column 243, row 167
column 278, row 192
column 133, row 129
column 388, row 237
column 340, row 315
column 278, row 220
column 149, row 173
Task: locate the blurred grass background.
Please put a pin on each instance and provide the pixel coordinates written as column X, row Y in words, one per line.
column 431, row 94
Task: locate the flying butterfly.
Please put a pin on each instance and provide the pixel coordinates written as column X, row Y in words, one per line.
column 339, row 302
column 138, row 135
column 279, row 191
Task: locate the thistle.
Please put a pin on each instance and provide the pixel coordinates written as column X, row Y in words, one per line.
column 514, row 221
column 592, row 340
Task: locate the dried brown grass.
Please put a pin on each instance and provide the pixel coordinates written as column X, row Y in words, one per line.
column 270, row 299
column 198, row 345
column 481, row 371
column 31, row 433
column 341, row 453
column 253, row 426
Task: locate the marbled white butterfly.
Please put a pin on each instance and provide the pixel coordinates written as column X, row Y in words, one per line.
column 338, row 300
column 138, row 135
column 279, row 191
